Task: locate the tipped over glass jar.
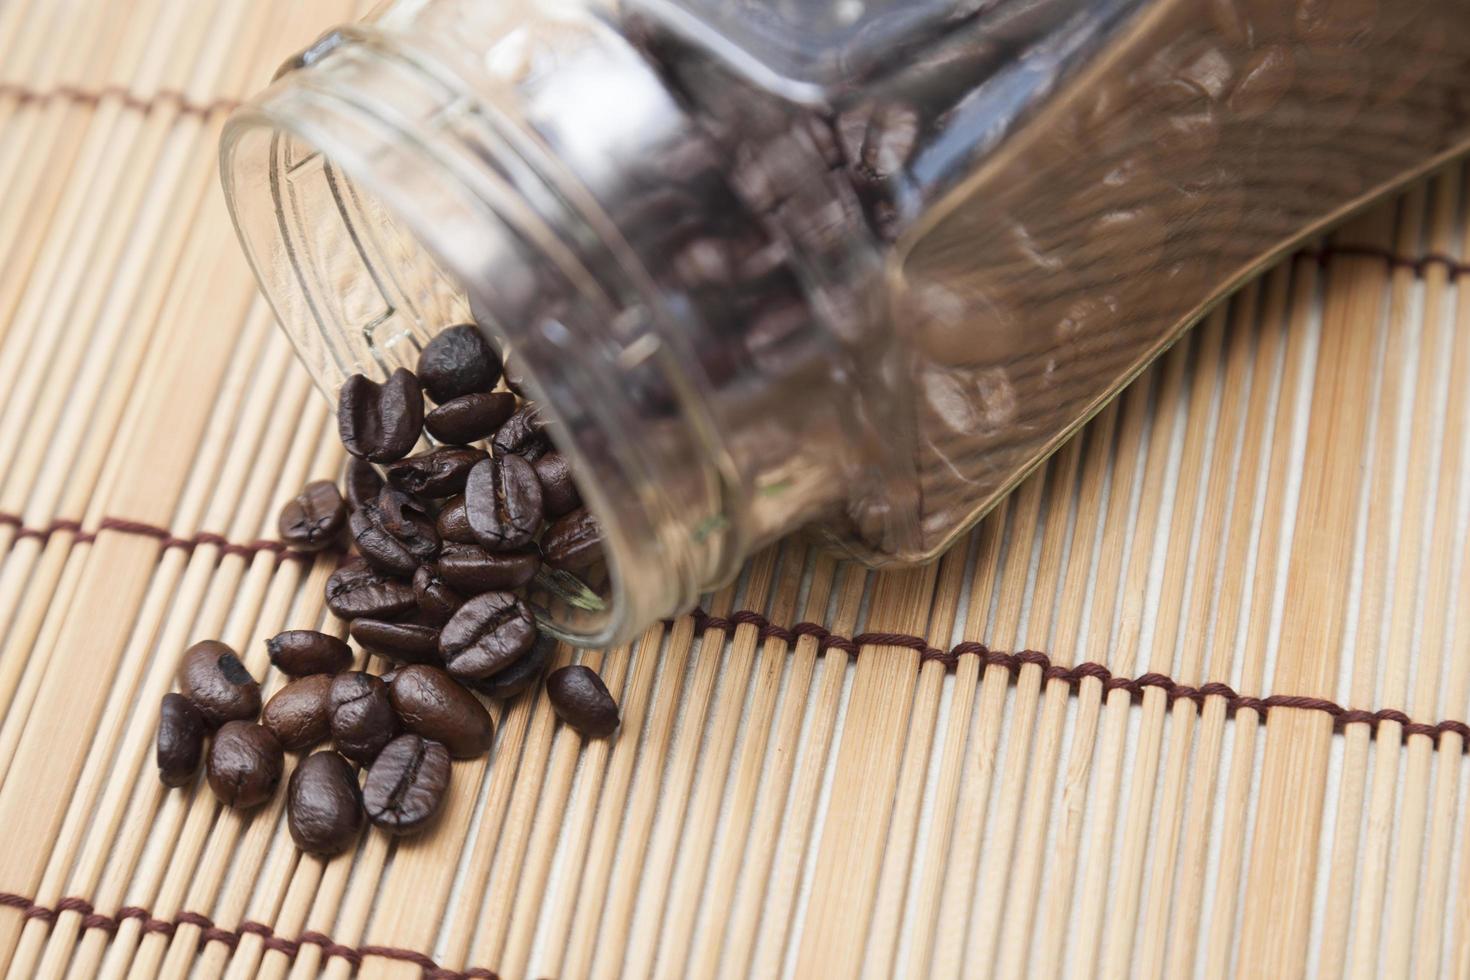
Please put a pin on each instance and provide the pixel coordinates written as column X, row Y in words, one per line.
column 851, row 264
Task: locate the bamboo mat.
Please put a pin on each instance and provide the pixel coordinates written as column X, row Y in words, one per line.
column 1190, row 702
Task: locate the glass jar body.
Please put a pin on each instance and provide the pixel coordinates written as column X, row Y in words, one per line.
column 855, row 265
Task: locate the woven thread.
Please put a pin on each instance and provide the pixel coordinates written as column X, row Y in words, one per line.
column 209, row 932
column 90, row 97
column 1074, row 676
column 246, row 550
column 827, row 640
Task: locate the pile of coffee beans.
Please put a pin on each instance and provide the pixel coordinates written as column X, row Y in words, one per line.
column 443, row 543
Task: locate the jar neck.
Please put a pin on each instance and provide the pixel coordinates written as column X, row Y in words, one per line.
column 396, row 184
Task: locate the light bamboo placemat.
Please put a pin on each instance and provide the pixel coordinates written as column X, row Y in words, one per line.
column 1229, row 744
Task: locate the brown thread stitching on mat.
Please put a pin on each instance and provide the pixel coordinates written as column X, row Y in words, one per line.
column 161, row 534
column 209, row 932
column 1073, row 676
column 72, row 93
column 827, row 640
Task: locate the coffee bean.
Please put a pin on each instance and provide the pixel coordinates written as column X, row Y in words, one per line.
column 405, row 643
column 405, row 786
column 487, row 634
column 503, row 502
column 297, row 714
column 573, row 541
column 362, row 718
column 580, row 699
column 470, row 418
column 436, row 706
column 437, row 601
column 458, row 361
column 356, row 590
column 388, row 676
column 454, row 523
column 523, row 434
column 219, row 685
column 437, row 473
column 179, row 747
column 245, row 764
column 362, row 482
column 472, row 570
column 514, row 381
column 323, row 805
column 380, row 422
column 521, row 675
column 558, row 492
column 303, row 652
column 314, row 518
column 394, row 534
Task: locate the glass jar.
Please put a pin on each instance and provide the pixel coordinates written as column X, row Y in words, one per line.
column 853, row 264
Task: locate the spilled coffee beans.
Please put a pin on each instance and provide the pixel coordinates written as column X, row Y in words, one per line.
column 435, row 705
column 180, row 744
column 245, row 764
column 297, row 714
column 323, row 805
column 218, row 684
column 380, row 422
column 580, row 699
column 360, row 715
column 442, row 544
column 302, row 652
column 487, row 634
column 470, row 418
column 405, row 785
column 315, row 518
column 502, row 500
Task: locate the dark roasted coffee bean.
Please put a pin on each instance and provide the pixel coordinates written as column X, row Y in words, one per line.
column 217, row 682
column 472, row 570
column 362, row 482
column 558, row 493
column 435, row 705
column 323, row 805
column 437, row 473
column 580, row 699
column 458, row 361
column 523, row 434
column 362, row 718
column 388, row 675
column 487, row 634
column 404, row 643
column 356, row 590
column 314, row 518
column 394, row 534
column 303, row 652
column 470, row 418
column 437, row 601
column 297, row 714
column 522, row 674
column 573, row 541
column 503, row 502
column 405, row 786
column 245, row 764
column 180, row 745
column 380, row 422
column 454, row 523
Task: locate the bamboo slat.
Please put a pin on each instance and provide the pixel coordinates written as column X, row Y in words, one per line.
column 1188, row 702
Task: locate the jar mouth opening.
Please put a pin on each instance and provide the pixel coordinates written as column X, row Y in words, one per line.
column 346, row 256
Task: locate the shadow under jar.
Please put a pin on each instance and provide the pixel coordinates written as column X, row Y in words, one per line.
column 859, row 266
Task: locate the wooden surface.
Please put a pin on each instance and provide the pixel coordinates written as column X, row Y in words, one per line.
column 1189, row 702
